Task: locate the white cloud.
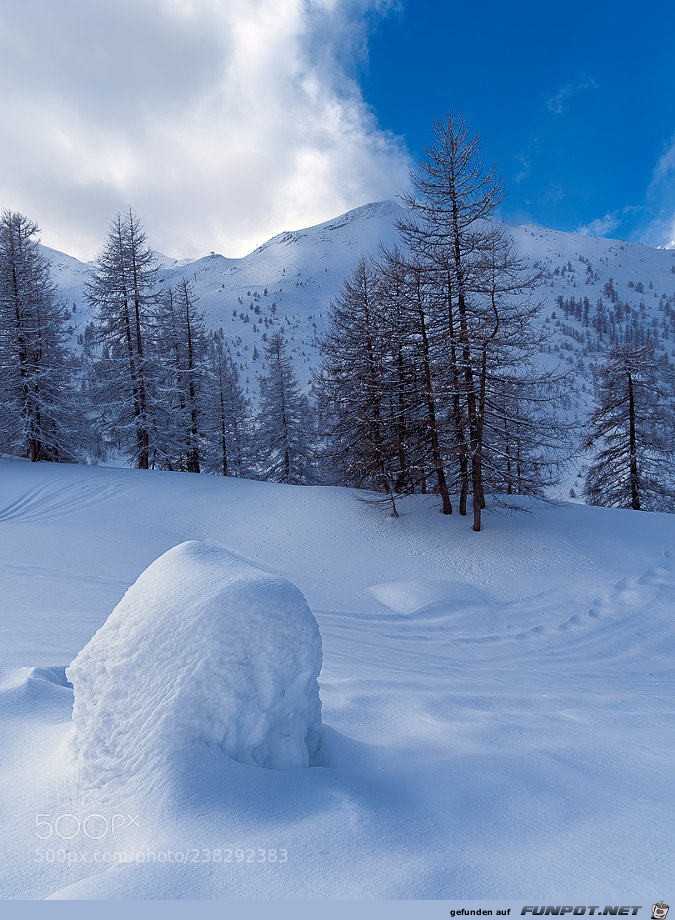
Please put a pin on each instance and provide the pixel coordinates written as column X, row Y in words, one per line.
column 558, row 103
column 665, row 166
column 524, row 160
column 660, row 201
column 601, row 226
column 221, row 123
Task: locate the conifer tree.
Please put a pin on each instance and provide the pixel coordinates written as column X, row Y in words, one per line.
column 123, row 290
column 284, row 432
column 181, row 346
column 226, row 414
column 453, row 197
column 631, row 433
column 356, row 370
column 41, row 418
column 520, row 432
column 407, row 307
column 481, row 292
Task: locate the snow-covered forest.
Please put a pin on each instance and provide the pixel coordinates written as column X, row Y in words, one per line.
column 442, row 357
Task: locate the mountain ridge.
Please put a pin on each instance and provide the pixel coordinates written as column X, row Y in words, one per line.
column 593, row 289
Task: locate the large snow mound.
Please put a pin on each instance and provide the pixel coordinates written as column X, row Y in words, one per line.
column 201, row 649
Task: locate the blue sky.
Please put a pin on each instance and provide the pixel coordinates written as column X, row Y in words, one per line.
column 574, row 102
column 223, row 122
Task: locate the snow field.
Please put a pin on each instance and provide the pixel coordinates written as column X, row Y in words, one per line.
column 497, row 707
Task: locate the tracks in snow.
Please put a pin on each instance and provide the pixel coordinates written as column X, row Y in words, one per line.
column 628, row 624
column 51, row 502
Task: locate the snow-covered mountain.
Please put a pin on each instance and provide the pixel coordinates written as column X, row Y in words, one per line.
column 290, row 280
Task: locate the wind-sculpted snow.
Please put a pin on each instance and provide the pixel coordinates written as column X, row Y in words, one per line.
column 201, row 650
column 46, row 503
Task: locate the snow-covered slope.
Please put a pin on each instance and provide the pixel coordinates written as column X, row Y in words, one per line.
column 290, row 280
column 497, row 707
column 70, row 276
column 595, row 290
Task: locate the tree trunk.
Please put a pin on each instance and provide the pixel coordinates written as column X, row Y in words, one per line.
column 402, row 479
column 460, row 436
column 634, row 477
column 446, row 507
column 475, row 446
column 193, row 457
column 223, row 439
column 143, row 434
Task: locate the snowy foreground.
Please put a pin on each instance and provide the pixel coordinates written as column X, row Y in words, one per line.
column 497, row 707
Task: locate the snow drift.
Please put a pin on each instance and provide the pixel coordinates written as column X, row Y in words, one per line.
column 202, row 649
